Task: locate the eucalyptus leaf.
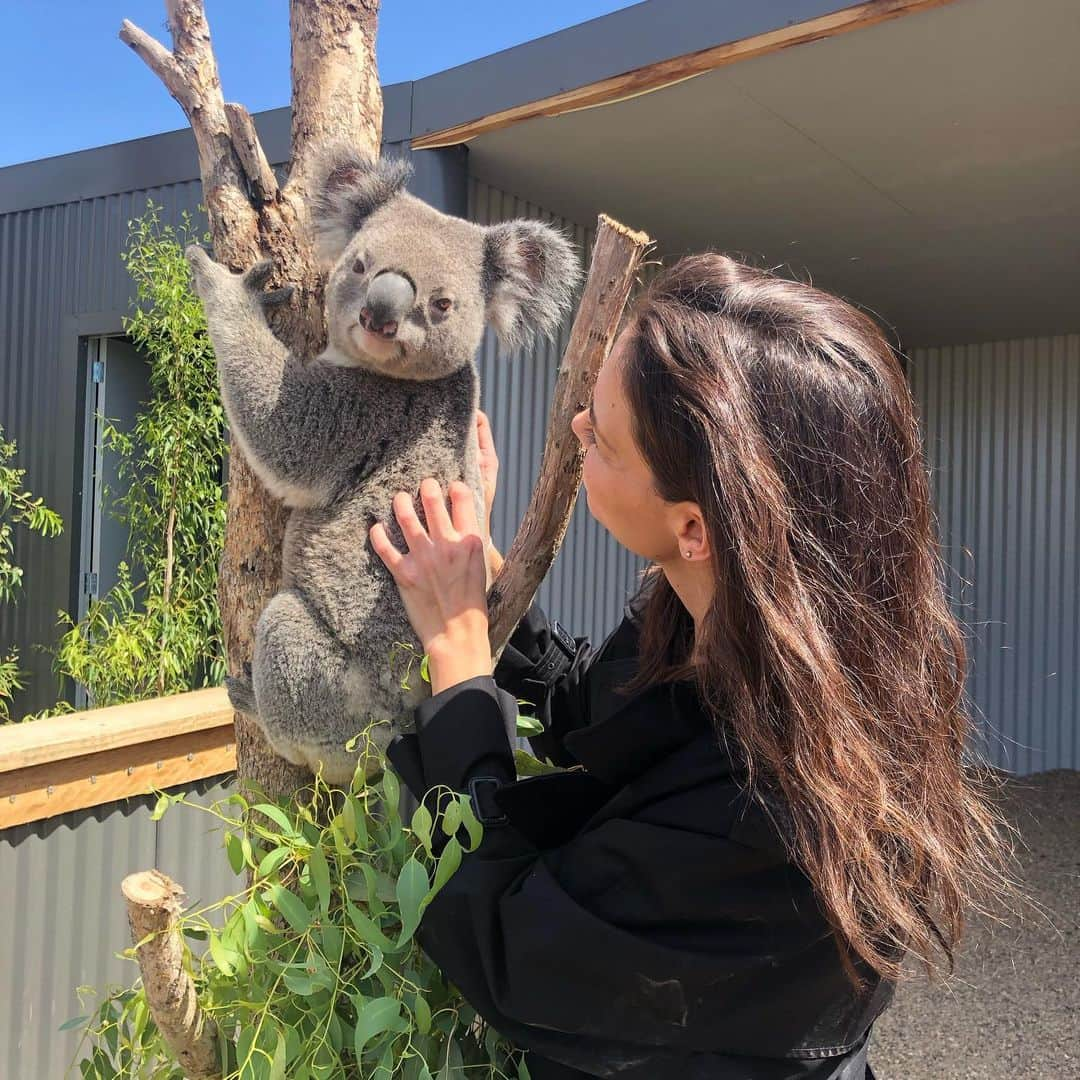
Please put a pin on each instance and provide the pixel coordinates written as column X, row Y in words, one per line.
column 320, row 875
column 272, row 860
column 527, row 765
column 421, row 826
column 412, row 888
column 472, row 825
column 373, row 1019
column 278, row 817
column 451, row 818
column 529, row 725
column 235, row 852
column 290, row 905
column 224, row 957
column 449, row 861
column 368, row 929
column 280, row 1059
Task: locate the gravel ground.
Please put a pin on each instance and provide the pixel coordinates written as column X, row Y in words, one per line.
column 1013, row 1009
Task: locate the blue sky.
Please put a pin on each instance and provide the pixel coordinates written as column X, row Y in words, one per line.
column 67, row 82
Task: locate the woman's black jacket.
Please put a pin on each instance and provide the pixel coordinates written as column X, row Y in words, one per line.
column 636, row 916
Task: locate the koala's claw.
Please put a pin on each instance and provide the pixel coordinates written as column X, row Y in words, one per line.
column 259, row 274
column 277, row 296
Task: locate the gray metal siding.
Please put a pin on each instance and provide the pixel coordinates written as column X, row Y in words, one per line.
column 64, row 919
column 592, row 576
column 1001, row 423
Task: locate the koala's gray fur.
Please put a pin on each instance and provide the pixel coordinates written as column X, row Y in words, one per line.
column 390, row 401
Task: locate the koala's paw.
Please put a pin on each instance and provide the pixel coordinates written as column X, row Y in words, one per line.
column 257, row 277
column 241, row 693
column 204, row 271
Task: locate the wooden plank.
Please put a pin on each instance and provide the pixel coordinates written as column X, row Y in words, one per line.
column 58, row 787
column 77, row 734
column 668, row 72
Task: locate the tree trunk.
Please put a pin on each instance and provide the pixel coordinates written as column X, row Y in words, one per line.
column 336, row 95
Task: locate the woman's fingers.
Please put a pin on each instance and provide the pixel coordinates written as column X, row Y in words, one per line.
column 385, row 549
column 411, row 527
column 463, row 507
column 438, row 520
column 483, row 432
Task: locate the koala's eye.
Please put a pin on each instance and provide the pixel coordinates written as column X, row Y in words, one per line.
column 358, row 266
column 444, row 304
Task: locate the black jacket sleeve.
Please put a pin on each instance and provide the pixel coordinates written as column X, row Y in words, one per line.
column 545, row 666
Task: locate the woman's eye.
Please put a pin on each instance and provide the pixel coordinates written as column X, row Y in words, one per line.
column 358, row 266
column 443, row 305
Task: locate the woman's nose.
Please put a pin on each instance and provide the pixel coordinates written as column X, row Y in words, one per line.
column 575, row 425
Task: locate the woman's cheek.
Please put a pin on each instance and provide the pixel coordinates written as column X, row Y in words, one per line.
column 587, row 477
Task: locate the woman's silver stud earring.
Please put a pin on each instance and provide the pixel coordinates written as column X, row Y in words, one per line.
column 687, row 554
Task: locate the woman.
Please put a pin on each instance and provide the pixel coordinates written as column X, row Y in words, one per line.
column 773, row 811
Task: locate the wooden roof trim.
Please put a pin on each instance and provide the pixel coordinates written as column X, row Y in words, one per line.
column 59, row 738
column 666, row 73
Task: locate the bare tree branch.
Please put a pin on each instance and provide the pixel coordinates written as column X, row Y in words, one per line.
column 159, row 60
column 190, row 74
column 153, row 906
column 615, row 257
column 261, row 180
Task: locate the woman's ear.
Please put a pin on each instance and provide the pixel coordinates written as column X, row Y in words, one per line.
column 690, row 532
column 529, row 275
column 348, row 187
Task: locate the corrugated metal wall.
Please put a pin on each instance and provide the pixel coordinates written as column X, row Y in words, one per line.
column 592, row 576
column 1001, row 424
column 60, row 277
column 64, row 919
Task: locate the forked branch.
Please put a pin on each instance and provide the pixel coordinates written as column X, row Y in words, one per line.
column 190, row 74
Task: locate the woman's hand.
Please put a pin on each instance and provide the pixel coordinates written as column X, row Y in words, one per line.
column 441, row 580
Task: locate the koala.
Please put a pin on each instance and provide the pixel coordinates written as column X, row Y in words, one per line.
column 392, row 399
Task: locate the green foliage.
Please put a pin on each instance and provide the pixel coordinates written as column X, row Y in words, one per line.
column 17, row 507
column 158, row 631
column 313, row 971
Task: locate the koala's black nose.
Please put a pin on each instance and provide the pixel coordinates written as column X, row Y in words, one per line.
column 389, row 299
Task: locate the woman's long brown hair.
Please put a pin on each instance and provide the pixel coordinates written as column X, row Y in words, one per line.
column 829, row 658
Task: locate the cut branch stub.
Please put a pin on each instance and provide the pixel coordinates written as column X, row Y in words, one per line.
column 153, row 907
column 616, row 254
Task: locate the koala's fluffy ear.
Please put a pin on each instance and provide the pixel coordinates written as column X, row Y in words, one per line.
column 529, row 276
column 349, row 186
